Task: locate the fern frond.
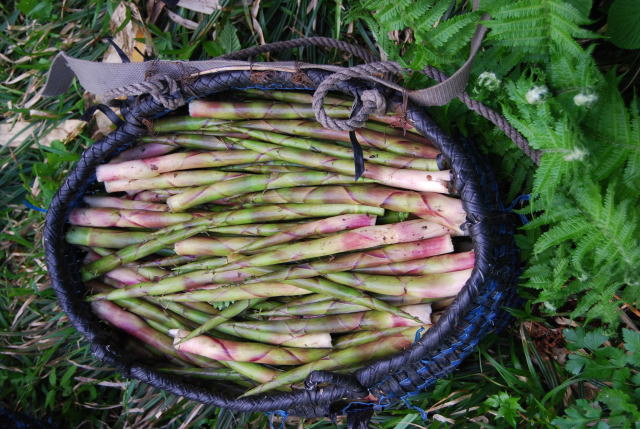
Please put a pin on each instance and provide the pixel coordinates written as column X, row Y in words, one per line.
column 631, row 175
column 584, row 245
column 445, row 31
column 573, row 73
column 599, row 305
column 438, row 41
column 562, row 208
column 613, row 125
column 613, row 220
column 566, row 230
column 549, row 174
column 600, row 238
column 538, row 25
column 400, row 14
column 392, row 15
column 586, row 188
column 434, row 15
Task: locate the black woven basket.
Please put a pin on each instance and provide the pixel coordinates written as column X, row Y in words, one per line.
column 477, row 310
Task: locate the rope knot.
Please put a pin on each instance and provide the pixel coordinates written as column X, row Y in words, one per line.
column 165, row 90
column 161, row 87
column 374, row 101
column 370, row 100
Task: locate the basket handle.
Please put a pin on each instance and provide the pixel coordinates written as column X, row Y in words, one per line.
column 326, row 42
column 448, row 87
column 164, row 86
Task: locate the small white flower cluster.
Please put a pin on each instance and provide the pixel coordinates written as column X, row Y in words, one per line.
column 577, row 154
column 489, row 80
column 537, row 94
column 586, row 100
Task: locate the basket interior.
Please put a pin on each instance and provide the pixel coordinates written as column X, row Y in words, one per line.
column 384, row 377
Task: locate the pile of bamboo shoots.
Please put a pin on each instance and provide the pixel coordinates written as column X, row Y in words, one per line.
column 236, row 243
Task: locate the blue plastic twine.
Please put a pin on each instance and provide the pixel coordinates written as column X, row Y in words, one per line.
column 515, row 202
column 423, row 413
column 281, row 413
column 32, row 207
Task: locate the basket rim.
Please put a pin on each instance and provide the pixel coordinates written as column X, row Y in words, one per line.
column 314, row 400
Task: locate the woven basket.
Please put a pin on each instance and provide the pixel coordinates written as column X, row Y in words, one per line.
column 477, row 310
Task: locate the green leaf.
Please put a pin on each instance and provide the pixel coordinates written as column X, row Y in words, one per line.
column 617, row 401
column 623, row 23
column 406, row 421
column 579, row 339
column 631, row 341
column 575, row 364
column 632, row 345
column 594, row 339
column 213, row 48
column 65, row 380
column 50, row 400
column 228, row 39
column 579, row 415
column 221, row 305
column 38, row 9
column 53, row 377
column 507, row 406
column 539, row 26
column 562, row 232
column 583, row 6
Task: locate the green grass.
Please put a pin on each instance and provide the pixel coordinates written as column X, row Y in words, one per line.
column 516, row 379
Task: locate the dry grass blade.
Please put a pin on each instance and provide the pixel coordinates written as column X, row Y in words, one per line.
column 202, row 6
column 129, row 34
column 187, row 23
column 19, row 132
column 255, row 24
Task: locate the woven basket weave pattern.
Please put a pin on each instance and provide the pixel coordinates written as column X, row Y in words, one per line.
column 476, row 312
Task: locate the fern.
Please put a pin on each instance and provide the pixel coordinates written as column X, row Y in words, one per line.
column 445, row 43
column 400, row 14
column 563, row 231
column 538, row 26
column 618, row 132
column 583, row 239
column 573, row 73
column 425, row 20
column 556, row 138
column 596, row 239
column 590, row 222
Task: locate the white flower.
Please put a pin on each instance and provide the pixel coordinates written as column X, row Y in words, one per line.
column 585, row 100
column 489, row 80
column 549, row 306
column 577, row 154
column 536, row 95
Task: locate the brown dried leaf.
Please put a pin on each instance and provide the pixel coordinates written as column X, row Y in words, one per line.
column 135, row 41
column 187, row 23
column 255, row 24
column 154, row 8
column 103, row 124
column 133, row 35
column 202, row 6
column 563, row 321
column 549, row 342
column 66, row 131
column 20, row 77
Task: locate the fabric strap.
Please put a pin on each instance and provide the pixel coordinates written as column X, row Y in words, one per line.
column 109, row 80
column 102, row 78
